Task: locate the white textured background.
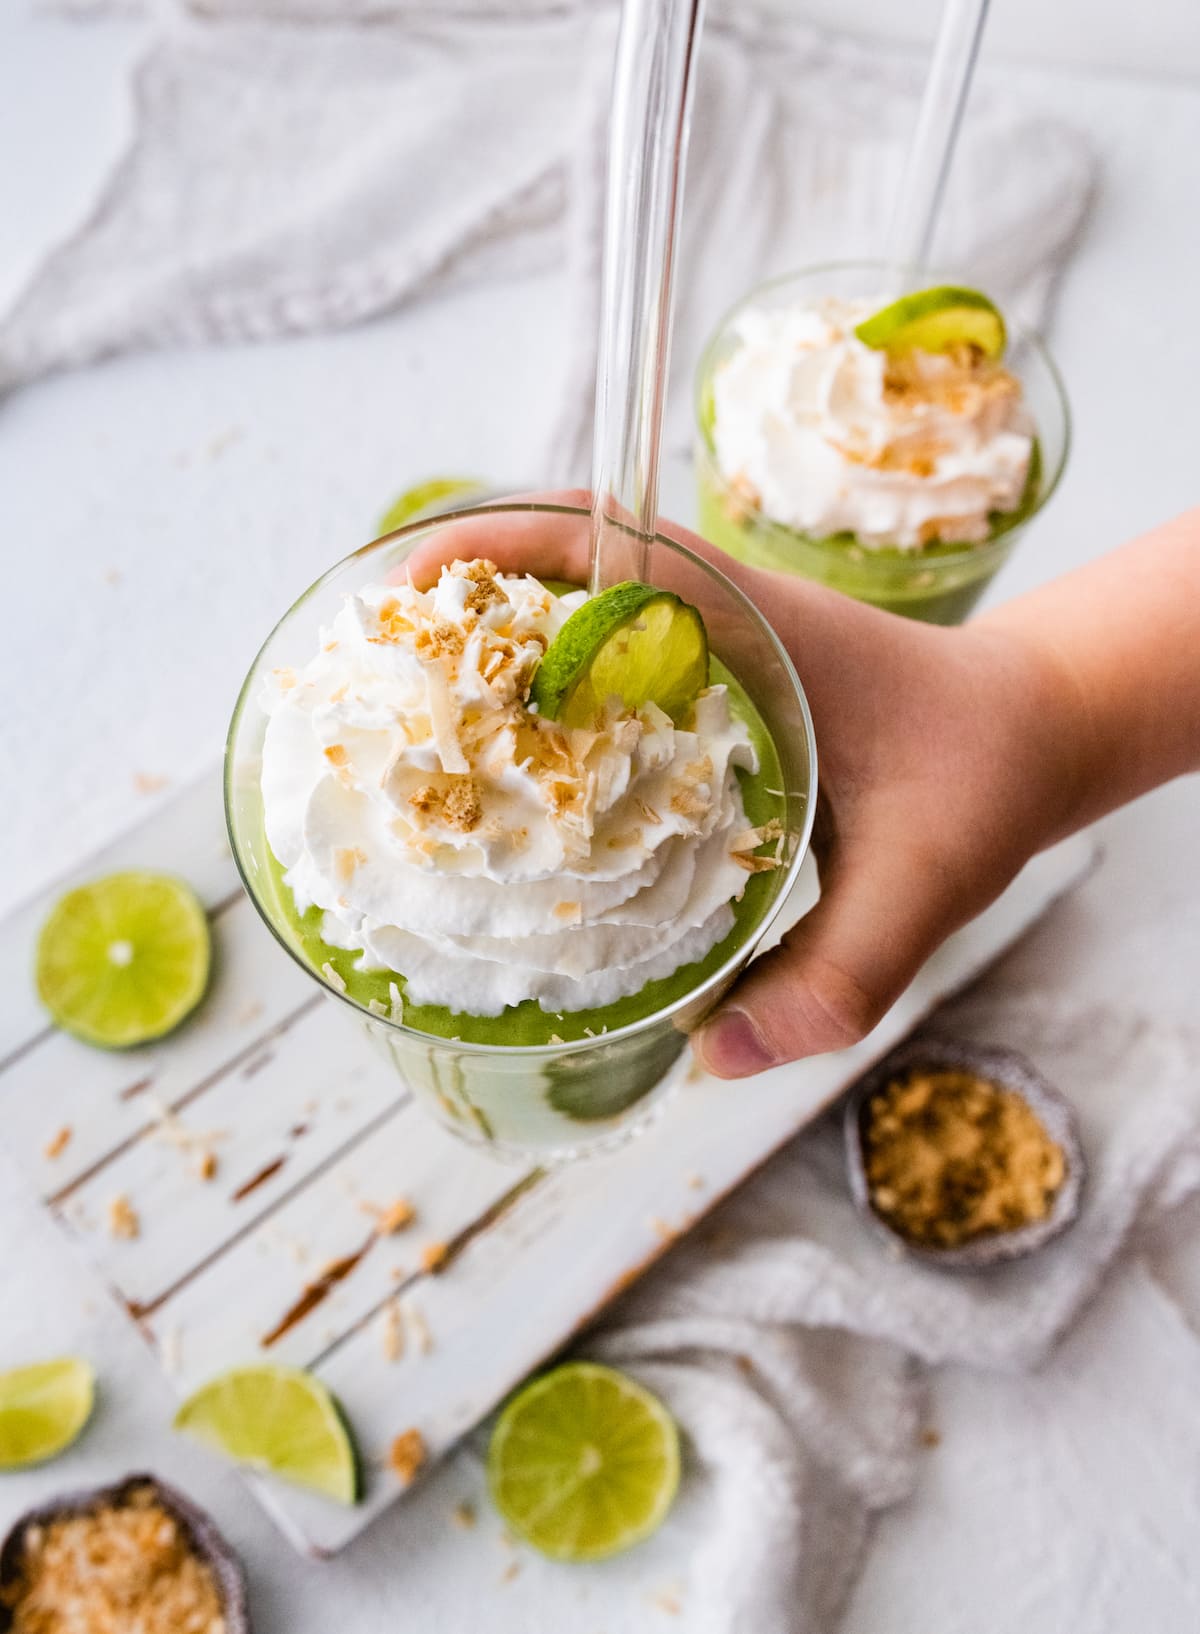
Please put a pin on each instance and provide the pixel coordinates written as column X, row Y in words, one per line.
column 157, row 513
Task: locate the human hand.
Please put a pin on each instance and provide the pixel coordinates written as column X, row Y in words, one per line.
column 942, row 770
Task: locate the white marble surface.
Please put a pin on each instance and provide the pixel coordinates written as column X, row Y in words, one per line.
column 157, row 513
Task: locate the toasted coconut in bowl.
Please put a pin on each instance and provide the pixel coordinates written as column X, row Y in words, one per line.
column 962, row 1154
column 138, row 1550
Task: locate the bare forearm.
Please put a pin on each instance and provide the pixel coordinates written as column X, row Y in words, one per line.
column 1119, row 642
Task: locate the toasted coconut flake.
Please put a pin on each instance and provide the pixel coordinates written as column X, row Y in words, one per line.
column 58, row 1143
column 331, row 976
column 206, row 1165
column 393, row 1331
column 622, row 842
column 335, row 754
column 397, row 998
column 346, row 859
column 377, row 1007
column 699, row 771
column 569, row 910
column 407, row 1456
column 647, row 810
column 419, row 1329
column 753, row 864
column 751, row 838
column 688, row 804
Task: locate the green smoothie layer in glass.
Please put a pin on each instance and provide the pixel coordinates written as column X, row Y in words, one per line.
column 944, row 339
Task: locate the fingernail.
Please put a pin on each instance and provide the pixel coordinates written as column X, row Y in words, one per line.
column 732, row 1046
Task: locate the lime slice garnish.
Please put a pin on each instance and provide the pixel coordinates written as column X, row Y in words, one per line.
column 124, row 959
column 631, row 642
column 280, row 1420
column 42, row 1410
column 584, row 1463
column 934, row 320
column 426, row 499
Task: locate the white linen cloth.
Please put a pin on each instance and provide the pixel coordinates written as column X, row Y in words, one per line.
column 321, row 162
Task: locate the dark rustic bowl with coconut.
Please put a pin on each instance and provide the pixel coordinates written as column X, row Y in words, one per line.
column 135, row 1555
column 962, row 1155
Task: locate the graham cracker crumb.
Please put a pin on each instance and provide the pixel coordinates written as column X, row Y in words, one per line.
column 206, row 1166
column 393, row 1217
column 951, row 1156
column 407, row 1455
column 111, row 1570
column 336, row 754
column 434, row 1256
column 931, row 1438
column 439, row 639
column 58, row 1143
column 122, row 1218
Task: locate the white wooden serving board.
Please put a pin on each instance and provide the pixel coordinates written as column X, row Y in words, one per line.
column 310, row 1129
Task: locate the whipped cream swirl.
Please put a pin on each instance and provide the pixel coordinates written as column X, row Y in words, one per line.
column 826, row 435
column 488, row 855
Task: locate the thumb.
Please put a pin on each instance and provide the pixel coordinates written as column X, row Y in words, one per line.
column 835, row 973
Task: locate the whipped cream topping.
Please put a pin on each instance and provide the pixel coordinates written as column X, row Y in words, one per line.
column 489, row 855
column 826, row 435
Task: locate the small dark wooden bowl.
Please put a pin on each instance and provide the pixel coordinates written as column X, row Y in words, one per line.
column 200, row 1531
column 1010, row 1071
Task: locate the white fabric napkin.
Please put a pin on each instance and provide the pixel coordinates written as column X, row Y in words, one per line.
column 305, row 164
column 284, row 178
column 785, row 1335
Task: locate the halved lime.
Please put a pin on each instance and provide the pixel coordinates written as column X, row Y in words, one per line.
column 426, row 499
column 934, row 320
column 631, row 642
column 124, row 959
column 584, row 1463
column 280, row 1420
column 42, row 1410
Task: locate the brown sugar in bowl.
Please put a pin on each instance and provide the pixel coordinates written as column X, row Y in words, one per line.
column 975, row 1231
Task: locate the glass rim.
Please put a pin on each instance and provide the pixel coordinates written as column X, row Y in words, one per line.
column 728, row 967
column 997, row 542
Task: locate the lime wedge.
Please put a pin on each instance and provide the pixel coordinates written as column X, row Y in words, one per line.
column 632, row 642
column 426, row 499
column 584, row 1463
column 934, row 320
column 42, row 1410
column 124, row 959
column 280, row 1420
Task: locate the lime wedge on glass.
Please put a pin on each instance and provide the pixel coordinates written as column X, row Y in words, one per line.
column 427, row 499
column 584, row 1463
column 631, row 642
column 42, row 1410
column 279, row 1420
column 934, row 320
column 124, row 959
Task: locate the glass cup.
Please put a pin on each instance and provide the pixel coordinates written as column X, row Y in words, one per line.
column 558, row 1100
column 939, row 583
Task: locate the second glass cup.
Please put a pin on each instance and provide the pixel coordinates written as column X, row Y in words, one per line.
column 562, row 1098
column 939, row 583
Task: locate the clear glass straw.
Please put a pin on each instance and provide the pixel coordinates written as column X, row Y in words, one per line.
column 647, row 149
column 945, row 96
